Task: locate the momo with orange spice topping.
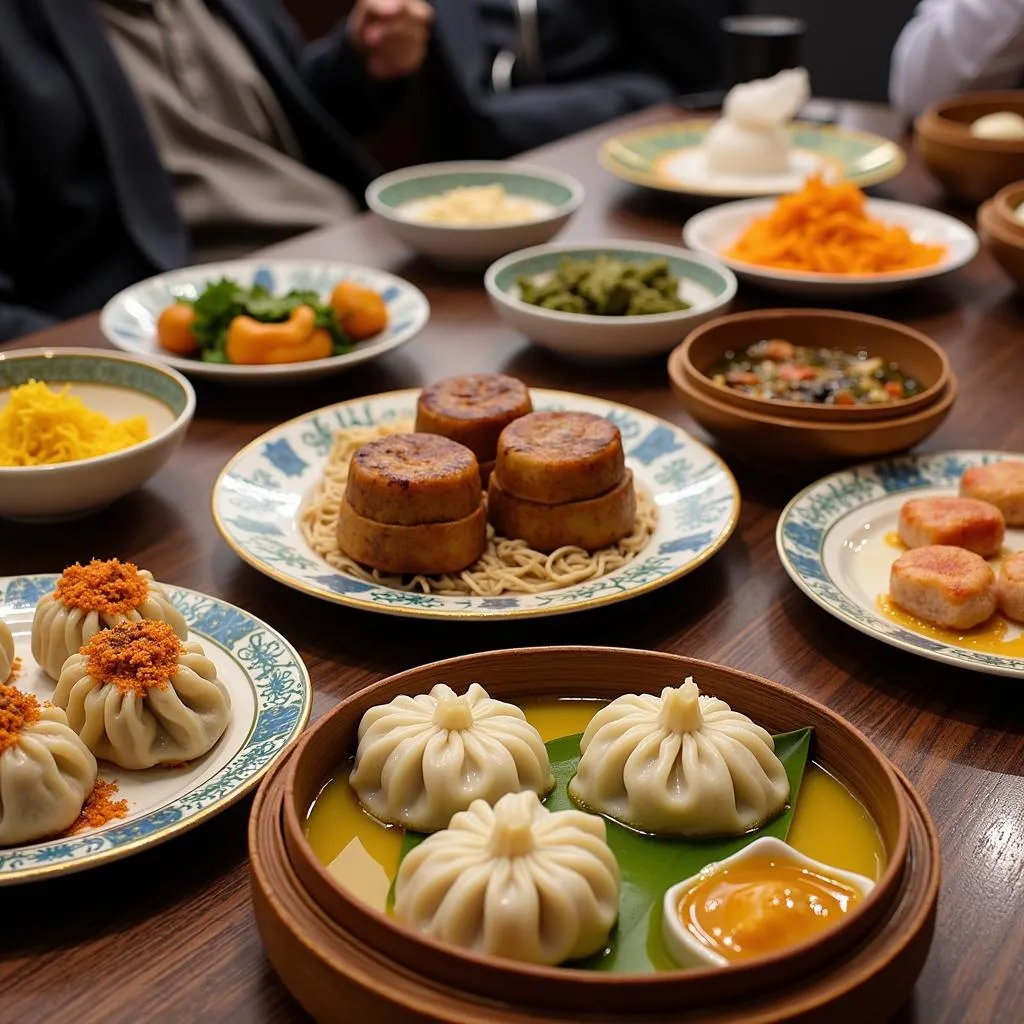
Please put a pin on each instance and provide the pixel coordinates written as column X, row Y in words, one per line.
column 138, row 696
column 6, row 652
column 88, row 598
column 46, row 771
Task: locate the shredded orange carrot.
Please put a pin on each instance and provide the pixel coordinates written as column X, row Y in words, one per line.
column 112, row 587
column 17, row 711
column 135, row 656
column 826, row 229
column 99, row 808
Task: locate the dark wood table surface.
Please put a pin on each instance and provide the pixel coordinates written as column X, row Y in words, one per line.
column 169, row 934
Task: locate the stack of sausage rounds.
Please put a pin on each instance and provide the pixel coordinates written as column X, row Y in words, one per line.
column 560, row 480
column 473, row 410
column 413, row 504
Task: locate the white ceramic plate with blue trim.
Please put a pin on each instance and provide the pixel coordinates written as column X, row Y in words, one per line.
column 129, row 319
column 717, row 229
column 260, row 494
column 832, row 539
column 270, row 703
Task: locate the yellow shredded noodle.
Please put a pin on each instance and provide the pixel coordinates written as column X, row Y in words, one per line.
column 506, row 566
column 40, row 427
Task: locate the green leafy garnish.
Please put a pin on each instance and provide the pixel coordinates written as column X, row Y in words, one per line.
column 221, row 301
column 648, row 864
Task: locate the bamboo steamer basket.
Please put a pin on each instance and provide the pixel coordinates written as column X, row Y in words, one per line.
column 345, row 961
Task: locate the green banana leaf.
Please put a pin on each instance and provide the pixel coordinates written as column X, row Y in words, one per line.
column 648, row 865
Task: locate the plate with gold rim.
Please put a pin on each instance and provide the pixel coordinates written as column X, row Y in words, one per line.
column 837, row 541
column 271, row 697
column 261, row 493
column 668, row 157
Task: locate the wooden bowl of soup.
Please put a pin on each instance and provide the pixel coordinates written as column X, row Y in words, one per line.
column 782, row 443
column 970, row 167
column 334, row 948
column 813, row 364
column 1003, row 241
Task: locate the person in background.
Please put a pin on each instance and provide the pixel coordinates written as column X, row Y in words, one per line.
column 954, row 46
column 141, row 135
column 522, row 73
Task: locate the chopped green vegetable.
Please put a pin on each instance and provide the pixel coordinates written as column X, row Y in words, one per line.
column 606, row 287
column 221, row 301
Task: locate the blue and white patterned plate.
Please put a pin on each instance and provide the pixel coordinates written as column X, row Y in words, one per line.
column 260, row 493
column 270, row 703
column 129, row 319
column 832, row 539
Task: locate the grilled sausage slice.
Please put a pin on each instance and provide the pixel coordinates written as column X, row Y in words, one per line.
column 555, row 457
column 427, row 548
column 473, row 410
column 408, row 479
column 591, row 524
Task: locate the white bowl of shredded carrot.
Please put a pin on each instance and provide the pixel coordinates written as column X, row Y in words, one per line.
column 80, row 428
column 831, row 240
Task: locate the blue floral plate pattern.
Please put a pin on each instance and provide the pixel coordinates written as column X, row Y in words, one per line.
column 260, row 493
column 834, row 539
column 270, row 704
column 129, row 319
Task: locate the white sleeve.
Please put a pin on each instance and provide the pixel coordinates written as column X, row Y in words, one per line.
column 954, row 46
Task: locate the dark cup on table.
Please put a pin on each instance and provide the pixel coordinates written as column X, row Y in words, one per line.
column 759, row 46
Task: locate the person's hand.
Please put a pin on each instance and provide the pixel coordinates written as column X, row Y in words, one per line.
column 391, row 36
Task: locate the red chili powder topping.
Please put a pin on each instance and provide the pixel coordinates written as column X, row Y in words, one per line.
column 99, row 808
column 112, row 587
column 135, row 656
column 17, row 711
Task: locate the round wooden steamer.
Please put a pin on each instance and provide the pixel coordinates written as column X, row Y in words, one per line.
column 298, row 902
column 915, row 354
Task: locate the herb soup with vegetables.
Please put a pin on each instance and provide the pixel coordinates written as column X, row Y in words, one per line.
column 779, row 370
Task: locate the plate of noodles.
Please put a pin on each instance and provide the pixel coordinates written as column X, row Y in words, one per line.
column 158, row 788
column 277, row 505
column 831, row 241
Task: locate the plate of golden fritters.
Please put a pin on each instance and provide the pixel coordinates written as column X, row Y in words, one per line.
column 924, row 552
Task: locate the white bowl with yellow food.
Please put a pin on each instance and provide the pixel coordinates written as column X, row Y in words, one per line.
column 467, row 213
column 80, row 428
column 608, row 301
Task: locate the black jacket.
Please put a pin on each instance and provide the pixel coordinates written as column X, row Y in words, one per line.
column 86, row 208
column 599, row 59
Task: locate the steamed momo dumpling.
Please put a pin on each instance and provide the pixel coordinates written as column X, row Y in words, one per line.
column 679, row 764
column 420, row 759
column 139, row 697
column 513, row 880
column 6, row 651
column 92, row 597
column 751, row 136
column 46, row 771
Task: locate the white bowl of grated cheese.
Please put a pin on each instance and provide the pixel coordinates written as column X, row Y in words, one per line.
column 469, row 213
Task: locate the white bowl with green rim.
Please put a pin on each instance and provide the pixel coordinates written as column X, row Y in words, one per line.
column 395, row 197
column 707, row 285
column 118, row 386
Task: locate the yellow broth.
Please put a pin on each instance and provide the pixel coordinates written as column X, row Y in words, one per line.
column 830, row 824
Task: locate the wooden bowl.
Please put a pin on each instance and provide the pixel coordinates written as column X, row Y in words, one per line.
column 1006, row 246
column 782, row 443
column 968, row 167
column 915, row 353
column 331, row 950
column 1003, row 206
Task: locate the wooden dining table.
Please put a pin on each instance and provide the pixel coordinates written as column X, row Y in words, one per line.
column 168, row 934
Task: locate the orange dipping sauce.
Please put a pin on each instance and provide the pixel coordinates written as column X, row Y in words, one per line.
column 763, row 906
